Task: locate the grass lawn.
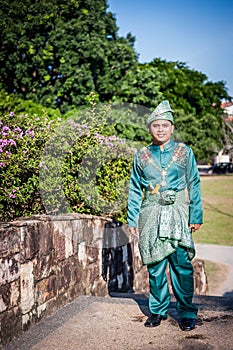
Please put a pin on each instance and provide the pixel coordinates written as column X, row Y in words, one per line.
column 217, row 195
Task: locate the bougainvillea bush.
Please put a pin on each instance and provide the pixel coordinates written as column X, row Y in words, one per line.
column 22, row 139
column 57, row 166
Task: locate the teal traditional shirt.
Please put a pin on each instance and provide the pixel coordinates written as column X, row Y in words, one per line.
column 164, row 197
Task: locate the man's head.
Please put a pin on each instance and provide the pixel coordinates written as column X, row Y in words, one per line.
column 162, row 111
column 160, row 123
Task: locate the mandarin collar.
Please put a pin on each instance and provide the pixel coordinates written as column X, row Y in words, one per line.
column 167, row 147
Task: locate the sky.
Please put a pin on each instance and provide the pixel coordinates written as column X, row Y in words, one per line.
column 196, row 32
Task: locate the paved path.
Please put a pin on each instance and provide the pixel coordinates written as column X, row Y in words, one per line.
column 220, row 254
column 117, row 323
column 98, row 323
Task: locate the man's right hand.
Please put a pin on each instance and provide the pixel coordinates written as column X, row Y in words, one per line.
column 134, row 231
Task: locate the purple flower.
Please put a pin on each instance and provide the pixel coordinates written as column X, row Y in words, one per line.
column 11, row 114
column 11, row 195
column 11, row 142
column 30, row 132
column 3, row 142
column 18, row 129
column 1, row 164
column 5, row 128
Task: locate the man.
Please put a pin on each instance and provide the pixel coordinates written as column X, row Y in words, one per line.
column 165, row 207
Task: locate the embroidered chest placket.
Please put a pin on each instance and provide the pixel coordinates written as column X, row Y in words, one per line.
column 163, row 172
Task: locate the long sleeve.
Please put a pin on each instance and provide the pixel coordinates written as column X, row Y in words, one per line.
column 194, row 188
column 135, row 194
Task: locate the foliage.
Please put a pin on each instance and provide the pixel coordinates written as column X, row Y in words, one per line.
column 55, row 53
column 189, row 89
column 10, row 102
column 22, row 140
column 56, row 167
column 201, row 132
column 141, row 86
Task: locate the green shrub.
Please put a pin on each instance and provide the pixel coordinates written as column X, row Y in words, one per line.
column 22, row 140
column 12, row 102
column 50, row 166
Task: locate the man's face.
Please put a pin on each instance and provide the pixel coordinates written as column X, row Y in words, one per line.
column 161, row 131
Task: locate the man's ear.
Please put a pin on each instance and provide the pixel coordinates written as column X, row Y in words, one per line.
column 172, row 128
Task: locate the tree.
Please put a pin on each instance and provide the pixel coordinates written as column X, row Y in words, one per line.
column 197, row 105
column 55, row 52
column 189, row 89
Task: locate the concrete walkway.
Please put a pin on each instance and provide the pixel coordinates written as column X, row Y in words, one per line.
column 220, row 254
column 117, row 323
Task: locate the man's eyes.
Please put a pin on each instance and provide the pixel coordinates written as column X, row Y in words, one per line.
column 163, row 125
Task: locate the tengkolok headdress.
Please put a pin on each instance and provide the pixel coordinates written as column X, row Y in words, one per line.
column 162, row 111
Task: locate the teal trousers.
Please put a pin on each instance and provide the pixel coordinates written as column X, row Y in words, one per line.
column 181, row 273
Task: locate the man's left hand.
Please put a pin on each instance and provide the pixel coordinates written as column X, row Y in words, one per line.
column 194, row 227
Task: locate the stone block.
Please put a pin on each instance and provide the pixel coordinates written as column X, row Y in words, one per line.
column 44, row 265
column 3, row 306
column 141, row 281
column 9, row 240
column 63, row 276
column 45, row 230
column 14, row 293
column 92, row 254
column 98, row 227
column 4, row 296
column 27, row 287
column 10, row 324
column 88, row 231
column 29, row 242
column 46, row 289
column 93, row 274
column 65, row 232
column 78, row 234
column 82, row 256
column 200, row 279
column 9, row 268
column 76, row 273
column 59, row 245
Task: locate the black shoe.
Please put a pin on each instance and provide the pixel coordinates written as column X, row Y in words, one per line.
column 187, row 324
column 154, row 320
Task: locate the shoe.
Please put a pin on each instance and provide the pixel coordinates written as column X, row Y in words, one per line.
column 154, row 320
column 187, row 324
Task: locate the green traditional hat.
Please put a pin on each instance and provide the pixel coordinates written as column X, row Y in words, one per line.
column 162, row 111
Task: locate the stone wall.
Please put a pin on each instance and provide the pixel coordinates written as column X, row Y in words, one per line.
column 46, row 262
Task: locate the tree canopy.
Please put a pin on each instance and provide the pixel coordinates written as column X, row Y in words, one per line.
column 57, row 52
column 54, row 53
